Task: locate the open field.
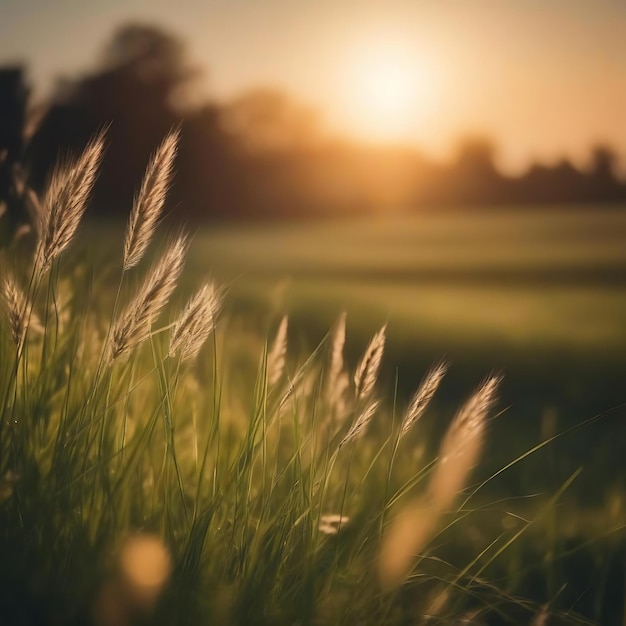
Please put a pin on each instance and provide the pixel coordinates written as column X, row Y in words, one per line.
column 538, row 294
column 511, row 279
column 235, row 473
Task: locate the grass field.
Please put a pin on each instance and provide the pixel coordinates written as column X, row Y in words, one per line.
column 514, row 279
column 539, row 294
column 231, row 475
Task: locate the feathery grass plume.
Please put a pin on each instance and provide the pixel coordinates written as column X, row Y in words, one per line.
column 406, row 536
column 336, row 359
column 360, row 424
column 294, row 383
column 276, row 355
column 149, row 202
column 461, row 445
column 195, row 323
column 367, row 370
column 19, row 311
column 133, row 325
column 65, row 202
column 422, row 397
column 459, row 452
column 330, row 524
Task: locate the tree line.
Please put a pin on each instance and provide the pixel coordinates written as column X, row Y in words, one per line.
column 259, row 156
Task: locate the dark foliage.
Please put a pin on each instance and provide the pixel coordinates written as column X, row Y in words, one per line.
column 261, row 155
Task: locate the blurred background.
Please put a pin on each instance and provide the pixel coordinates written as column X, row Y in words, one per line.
column 456, row 169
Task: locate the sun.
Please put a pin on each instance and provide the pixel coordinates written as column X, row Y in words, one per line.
column 387, row 87
column 390, row 91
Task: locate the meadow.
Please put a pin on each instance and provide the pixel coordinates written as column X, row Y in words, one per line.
column 536, row 293
column 256, row 457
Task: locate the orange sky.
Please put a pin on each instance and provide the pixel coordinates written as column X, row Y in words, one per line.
column 543, row 77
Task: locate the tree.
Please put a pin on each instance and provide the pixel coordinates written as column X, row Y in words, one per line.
column 14, row 197
column 138, row 93
column 268, row 120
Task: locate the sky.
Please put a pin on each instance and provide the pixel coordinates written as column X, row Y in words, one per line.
column 544, row 78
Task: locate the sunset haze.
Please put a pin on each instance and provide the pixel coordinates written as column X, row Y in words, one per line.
column 544, row 80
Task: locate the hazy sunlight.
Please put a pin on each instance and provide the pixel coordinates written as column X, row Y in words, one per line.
column 390, row 91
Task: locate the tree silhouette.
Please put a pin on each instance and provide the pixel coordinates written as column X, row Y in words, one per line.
column 13, row 118
column 137, row 92
column 263, row 154
column 268, row 120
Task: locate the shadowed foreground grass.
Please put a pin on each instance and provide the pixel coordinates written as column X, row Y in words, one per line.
column 164, row 464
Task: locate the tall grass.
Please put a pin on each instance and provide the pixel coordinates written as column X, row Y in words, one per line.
column 149, row 470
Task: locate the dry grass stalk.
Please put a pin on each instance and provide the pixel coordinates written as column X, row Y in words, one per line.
column 462, row 445
column 408, row 533
column 335, row 370
column 330, row 524
column 133, row 325
column 422, row 397
column 360, row 424
column 19, row 311
column 277, row 353
column 367, row 370
column 149, row 203
column 336, row 354
column 460, row 450
column 300, row 383
column 65, row 202
column 340, row 405
column 195, row 323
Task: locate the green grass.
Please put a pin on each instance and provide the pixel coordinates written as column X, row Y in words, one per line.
column 514, row 276
column 204, row 457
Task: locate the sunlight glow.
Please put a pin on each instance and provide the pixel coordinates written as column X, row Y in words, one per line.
column 391, row 92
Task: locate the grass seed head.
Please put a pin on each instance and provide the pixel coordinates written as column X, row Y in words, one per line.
column 333, row 387
column 360, row 424
column 65, row 202
column 407, row 535
column 133, row 325
column 149, row 202
column 461, row 446
column 367, row 370
column 330, row 524
column 19, row 311
column 277, row 353
column 195, row 323
column 422, row 397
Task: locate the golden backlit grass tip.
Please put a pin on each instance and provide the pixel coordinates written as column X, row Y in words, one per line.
column 149, row 202
column 337, row 381
column 277, row 353
column 65, row 201
column 416, row 522
column 360, row 424
column 462, row 445
column 369, row 366
column 133, row 325
column 19, row 311
column 195, row 323
column 422, row 397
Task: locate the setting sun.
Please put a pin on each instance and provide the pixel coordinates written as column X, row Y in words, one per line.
column 390, row 92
